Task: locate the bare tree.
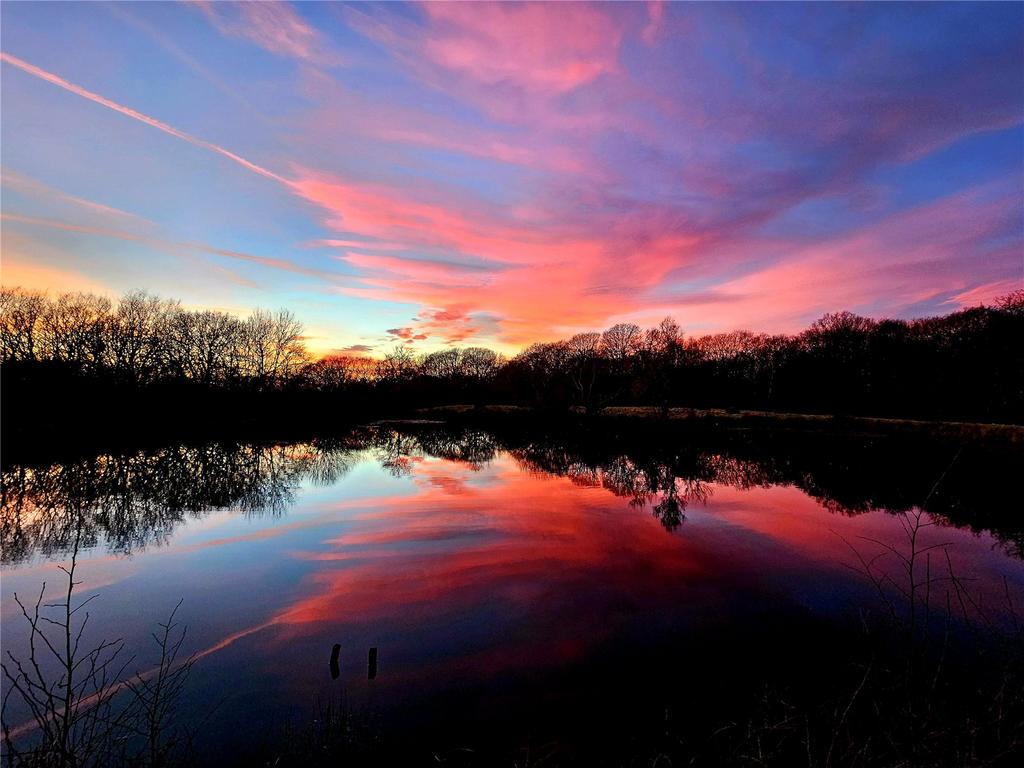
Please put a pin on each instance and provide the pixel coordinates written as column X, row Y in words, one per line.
column 840, row 333
column 74, row 713
column 583, row 352
column 718, row 347
column 21, row 313
column 135, row 339
column 156, row 695
column 541, row 365
column 443, row 364
column 336, row 372
column 73, row 328
column 662, row 354
column 479, row 362
column 397, row 365
column 272, row 347
column 1012, row 303
column 79, row 699
column 665, row 341
column 205, row 345
column 621, row 341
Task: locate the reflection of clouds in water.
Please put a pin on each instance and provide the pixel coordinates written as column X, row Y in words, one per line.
column 534, row 554
column 523, row 545
column 126, row 503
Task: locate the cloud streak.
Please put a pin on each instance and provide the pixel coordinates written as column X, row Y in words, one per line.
column 172, row 246
column 274, row 26
column 30, row 186
column 78, row 90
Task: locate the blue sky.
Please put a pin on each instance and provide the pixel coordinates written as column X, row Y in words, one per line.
column 500, row 174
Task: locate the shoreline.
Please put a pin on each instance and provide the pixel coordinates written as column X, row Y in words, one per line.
column 48, row 442
column 723, row 418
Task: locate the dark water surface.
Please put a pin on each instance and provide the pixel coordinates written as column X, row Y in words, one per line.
column 518, row 590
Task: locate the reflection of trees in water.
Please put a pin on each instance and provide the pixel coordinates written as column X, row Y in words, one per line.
column 643, row 482
column 473, row 446
column 129, row 502
column 965, row 487
column 397, row 451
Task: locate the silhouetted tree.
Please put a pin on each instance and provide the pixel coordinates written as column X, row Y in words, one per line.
column 541, row 369
column 135, row 337
column 206, row 346
column 21, row 313
column 621, row 342
column 445, row 364
column 73, row 328
column 1012, row 303
column 397, row 366
column 583, row 362
column 339, row 372
column 272, row 350
column 480, row 363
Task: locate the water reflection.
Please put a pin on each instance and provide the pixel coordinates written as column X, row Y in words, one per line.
column 506, row 578
column 128, row 502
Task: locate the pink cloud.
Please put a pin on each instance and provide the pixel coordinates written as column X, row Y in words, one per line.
column 415, row 271
column 380, row 123
column 372, row 245
column 987, row 293
column 553, row 158
column 532, row 278
column 403, row 215
column 453, row 324
column 917, row 256
column 655, row 12
column 538, row 46
column 408, row 335
column 513, row 60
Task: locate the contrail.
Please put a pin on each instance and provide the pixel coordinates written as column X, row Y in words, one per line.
column 49, row 77
column 174, row 246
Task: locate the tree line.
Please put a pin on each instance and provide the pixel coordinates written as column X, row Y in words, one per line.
column 143, row 339
column 968, row 364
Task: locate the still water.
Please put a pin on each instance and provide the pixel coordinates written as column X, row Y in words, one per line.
column 518, row 587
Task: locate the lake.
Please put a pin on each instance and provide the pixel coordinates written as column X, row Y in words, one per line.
column 522, row 592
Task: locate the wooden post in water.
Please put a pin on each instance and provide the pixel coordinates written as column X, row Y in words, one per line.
column 371, row 667
column 335, row 670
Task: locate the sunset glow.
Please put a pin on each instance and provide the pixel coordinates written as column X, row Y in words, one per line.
column 496, row 175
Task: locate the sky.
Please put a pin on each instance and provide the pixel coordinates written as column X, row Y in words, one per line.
column 495, row 175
